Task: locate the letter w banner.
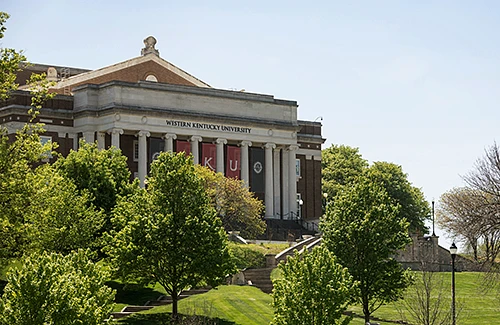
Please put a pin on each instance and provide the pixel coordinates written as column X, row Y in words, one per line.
column 209, row 155
column 257, row 170
column 181, row 146
column 233, row 165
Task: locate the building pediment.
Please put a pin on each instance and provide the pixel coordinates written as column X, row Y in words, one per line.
column 147, row 67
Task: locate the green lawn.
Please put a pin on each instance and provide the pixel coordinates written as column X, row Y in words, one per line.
column 480, row 306
column 245, row 305
column 230, row 304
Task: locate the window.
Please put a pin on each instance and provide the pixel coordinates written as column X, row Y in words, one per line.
column 136, row 150
column 44, row 140
column 297, row 167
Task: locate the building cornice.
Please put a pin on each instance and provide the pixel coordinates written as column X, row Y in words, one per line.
column 212, row 92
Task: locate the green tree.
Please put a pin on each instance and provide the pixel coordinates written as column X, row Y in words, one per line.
column 10, row 63
column 363, row 231
column 314, row 289
column 18, row 154
column 102, row 173
column 414, row 208
column 170, row 233
column 341, row 165
column 59, row 219
column 237, row 207
column 58, row 290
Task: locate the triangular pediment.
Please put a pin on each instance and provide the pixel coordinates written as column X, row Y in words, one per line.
column 148, row 67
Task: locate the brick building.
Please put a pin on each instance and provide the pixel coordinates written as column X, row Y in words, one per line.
column 146, row 105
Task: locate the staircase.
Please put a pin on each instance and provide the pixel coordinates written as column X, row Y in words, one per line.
column 161, row 301
column 260, row 278
column 308, row 243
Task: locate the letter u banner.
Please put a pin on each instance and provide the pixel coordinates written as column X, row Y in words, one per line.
column 233, row 164
column 181, row 146
column 208, row 155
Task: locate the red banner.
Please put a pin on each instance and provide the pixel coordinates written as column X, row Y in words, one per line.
column 183, row 146
column 209, row 156
column 233, row 162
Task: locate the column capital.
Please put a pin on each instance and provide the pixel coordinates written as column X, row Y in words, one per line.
column 221, row 141
column 293, row 147
column 168, row 136
column 196, row 138
column 61, row 134
column 269, row 145
column 115, row 131
column 143, row 133
column 245, row 143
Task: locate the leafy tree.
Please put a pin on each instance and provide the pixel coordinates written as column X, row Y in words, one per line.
column 169, row 233
column 363, row 231
column 341, row 165
column 314, row 289
column 18, row 154
column 59, row 219
column 102, row 173
column 237, row 207
column 10, row 63
column 56, row 289
column 414, row 208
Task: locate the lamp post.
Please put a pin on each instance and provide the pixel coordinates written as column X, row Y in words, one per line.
column 453, row 252
column 299, row 211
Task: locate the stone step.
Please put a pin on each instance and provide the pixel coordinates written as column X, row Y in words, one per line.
column 118, row 315
column 260, row 278
column 135, row 309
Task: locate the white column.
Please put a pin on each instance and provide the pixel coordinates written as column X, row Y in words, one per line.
column 277, row 181
column 101, row 140
column 143, row 156
column 285, row 196
column 269, row 195
column 292, row 180
column 74, row 136
column 245, row 162
column 195, row 140
column 169, row 141
column 88, row 136
column 115, row 137
column 220, row 154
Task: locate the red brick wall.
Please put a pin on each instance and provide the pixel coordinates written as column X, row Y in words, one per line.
column 140, row 72
column 309, row 187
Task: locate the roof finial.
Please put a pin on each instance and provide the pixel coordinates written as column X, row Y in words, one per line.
column 149, row 46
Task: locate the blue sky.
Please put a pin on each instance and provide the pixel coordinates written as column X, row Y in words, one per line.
column 415, row 83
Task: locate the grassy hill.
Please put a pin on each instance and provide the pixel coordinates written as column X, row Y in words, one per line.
column 245, row 305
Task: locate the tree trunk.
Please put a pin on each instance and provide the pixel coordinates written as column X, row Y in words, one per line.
column 175, row 299
column 366, row 311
